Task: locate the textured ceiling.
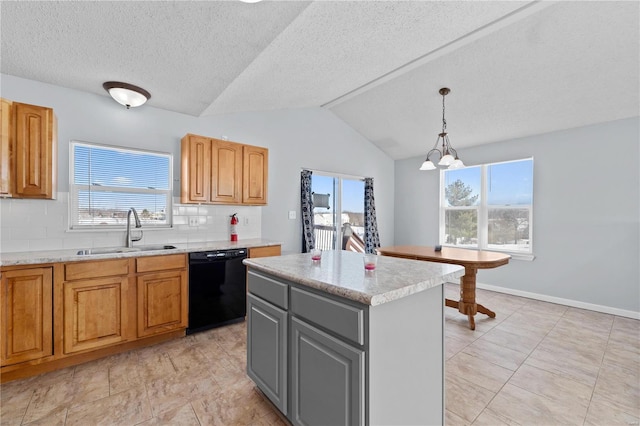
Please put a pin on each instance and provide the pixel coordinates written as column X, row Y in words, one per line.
column 515, row 68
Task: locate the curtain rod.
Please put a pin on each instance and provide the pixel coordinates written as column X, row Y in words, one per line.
column 341, row 175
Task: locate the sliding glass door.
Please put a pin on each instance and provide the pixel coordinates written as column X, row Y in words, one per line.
column 338, row 211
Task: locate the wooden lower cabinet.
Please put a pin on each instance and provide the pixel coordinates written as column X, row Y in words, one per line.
column 95, row 313
column 162, row 302
column 265, row 251
column 25, row 307
column 61, row 314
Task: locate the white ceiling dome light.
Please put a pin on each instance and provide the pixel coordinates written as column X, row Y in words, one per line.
column 126, row 94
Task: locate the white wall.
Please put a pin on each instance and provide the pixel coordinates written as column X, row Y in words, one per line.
column 586, row 218
column 310, row 138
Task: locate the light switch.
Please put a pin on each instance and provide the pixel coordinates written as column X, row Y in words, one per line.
column 292, row 214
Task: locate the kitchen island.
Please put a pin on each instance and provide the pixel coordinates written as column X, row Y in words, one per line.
column 331, row 343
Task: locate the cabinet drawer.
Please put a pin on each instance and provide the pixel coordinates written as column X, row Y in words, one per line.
column 269, row 290
column 345, row 320
column 266, row 251
column 96, row 269
column 161, row 263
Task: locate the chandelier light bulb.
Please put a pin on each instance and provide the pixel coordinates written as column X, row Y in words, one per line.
column 446, row 160
column 457, row 164
column 428, row 165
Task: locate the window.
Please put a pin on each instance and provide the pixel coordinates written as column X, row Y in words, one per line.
column 106, row 181
column 337, row 200
column 488, row 207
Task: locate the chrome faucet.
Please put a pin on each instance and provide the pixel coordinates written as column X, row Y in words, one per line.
column 131, row 239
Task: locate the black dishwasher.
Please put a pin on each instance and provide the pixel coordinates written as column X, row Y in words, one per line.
column 217, row 288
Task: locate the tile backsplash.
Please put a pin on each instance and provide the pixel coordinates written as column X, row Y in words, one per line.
column 31, row 225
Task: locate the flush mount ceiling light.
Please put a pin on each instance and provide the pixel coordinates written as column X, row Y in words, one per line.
column 126, row 94
column 448, row 155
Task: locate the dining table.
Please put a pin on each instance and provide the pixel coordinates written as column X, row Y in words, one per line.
column 472, row 260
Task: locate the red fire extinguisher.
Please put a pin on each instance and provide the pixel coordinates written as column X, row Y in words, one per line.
column 234, row 226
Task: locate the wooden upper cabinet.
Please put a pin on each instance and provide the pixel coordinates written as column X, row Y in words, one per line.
column 27, row 322
column 196, row 169
column 226, row 170
column 215, row 171
column 6, row 142
column 35, row 153
column 254, row 180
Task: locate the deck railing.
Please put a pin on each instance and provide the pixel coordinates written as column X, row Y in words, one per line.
column 325, row 235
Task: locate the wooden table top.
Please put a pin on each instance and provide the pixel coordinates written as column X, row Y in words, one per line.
column 468, row 258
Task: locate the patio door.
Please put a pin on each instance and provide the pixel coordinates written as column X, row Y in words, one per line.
column 338, row 209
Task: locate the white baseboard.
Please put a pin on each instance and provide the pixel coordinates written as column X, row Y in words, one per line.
column 561, row 301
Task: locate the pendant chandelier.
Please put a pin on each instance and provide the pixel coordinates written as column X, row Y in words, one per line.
column 448, row 155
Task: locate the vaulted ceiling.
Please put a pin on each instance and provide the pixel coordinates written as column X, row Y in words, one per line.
column 514, row 68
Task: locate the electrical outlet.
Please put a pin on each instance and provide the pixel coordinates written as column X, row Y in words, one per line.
column 193, row 221
column 292, row 214
column 245, row 221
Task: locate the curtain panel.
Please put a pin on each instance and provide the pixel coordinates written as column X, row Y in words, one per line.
column 371, row 236
column 306, row 207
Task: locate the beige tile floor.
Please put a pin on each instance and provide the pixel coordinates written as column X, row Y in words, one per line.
column 536, row 363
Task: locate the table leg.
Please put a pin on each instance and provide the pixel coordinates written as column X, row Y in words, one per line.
column 485, row 311
column 467, row 304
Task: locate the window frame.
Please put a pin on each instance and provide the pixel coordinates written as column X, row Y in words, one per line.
column 75, row 189
column 482, row 208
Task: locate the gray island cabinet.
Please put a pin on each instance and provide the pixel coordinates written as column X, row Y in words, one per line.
column 331, row 344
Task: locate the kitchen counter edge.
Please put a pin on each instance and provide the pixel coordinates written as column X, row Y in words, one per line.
column 71, row 255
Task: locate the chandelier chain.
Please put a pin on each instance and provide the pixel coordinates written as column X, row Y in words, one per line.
column 444, row 121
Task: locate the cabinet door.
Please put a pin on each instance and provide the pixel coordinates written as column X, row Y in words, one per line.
column 5, row 148
column 226, row 172
column 95, row 313
column 26, row 315
column 327, row 378
column 35, row 154
column 162, row 302
column 267, row 349
column 196, row 169
column 255, row 175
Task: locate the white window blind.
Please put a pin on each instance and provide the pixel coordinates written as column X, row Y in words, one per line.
column 106, row 181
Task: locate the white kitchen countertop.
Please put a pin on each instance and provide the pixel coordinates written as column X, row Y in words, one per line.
column 342, row 273
column 71, row 255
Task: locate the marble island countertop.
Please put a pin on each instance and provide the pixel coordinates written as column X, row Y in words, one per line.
column 342, row 273
column 71, row 255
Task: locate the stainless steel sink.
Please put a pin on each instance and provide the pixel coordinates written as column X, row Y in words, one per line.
column 155, row 247
column 111, row 250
